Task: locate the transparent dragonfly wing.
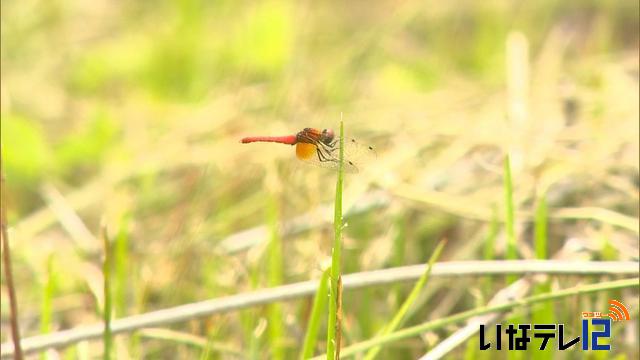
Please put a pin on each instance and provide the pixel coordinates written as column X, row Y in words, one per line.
column 356, row 155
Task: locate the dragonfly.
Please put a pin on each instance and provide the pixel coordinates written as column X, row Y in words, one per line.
column 322, row 148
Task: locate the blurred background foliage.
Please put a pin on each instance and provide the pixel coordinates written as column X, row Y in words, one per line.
column 132, row 111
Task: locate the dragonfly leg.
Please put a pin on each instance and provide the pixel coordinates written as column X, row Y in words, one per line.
column 321, row 156
column 329, row 148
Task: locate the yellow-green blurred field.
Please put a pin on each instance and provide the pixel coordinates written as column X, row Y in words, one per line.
column 131, row 112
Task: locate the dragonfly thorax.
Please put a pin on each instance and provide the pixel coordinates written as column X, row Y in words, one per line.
column 315, row 136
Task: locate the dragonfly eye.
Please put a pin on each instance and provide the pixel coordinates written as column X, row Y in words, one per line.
column 327, row 136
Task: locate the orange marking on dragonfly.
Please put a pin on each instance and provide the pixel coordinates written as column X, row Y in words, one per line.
column 320, row 147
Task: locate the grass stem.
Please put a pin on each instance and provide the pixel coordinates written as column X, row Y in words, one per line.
column 6, row 258
column 512, row 249
column 333, row 341
column 106, row 312
column 319, row 304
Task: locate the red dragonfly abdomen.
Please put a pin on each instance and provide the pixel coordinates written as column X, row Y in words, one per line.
column 289, row 139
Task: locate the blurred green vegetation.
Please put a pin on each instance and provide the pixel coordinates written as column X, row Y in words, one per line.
column 132, row 111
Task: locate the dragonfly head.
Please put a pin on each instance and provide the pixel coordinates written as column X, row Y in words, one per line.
column 327, row 136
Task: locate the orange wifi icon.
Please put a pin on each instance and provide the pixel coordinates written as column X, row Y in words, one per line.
column 617, row 311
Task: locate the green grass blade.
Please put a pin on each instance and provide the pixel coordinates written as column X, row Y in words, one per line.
column 46, row 308
column 123, row 277
column 332, row 323
column 512, row 249
column 106, row 312
column 6, row 265
column 319, row 305
column 543, row 314
column 399, row 318
column 47, row 298
column 540, row 226
column 275, row 329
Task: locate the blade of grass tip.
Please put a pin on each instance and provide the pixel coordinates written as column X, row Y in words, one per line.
column 399, row 317
column 319, row 305
column 6, row 259
column 274, row 278
column 608, row 250
column 46, row 310
column 512, row 250
column 106, row 270
column 335, row 256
